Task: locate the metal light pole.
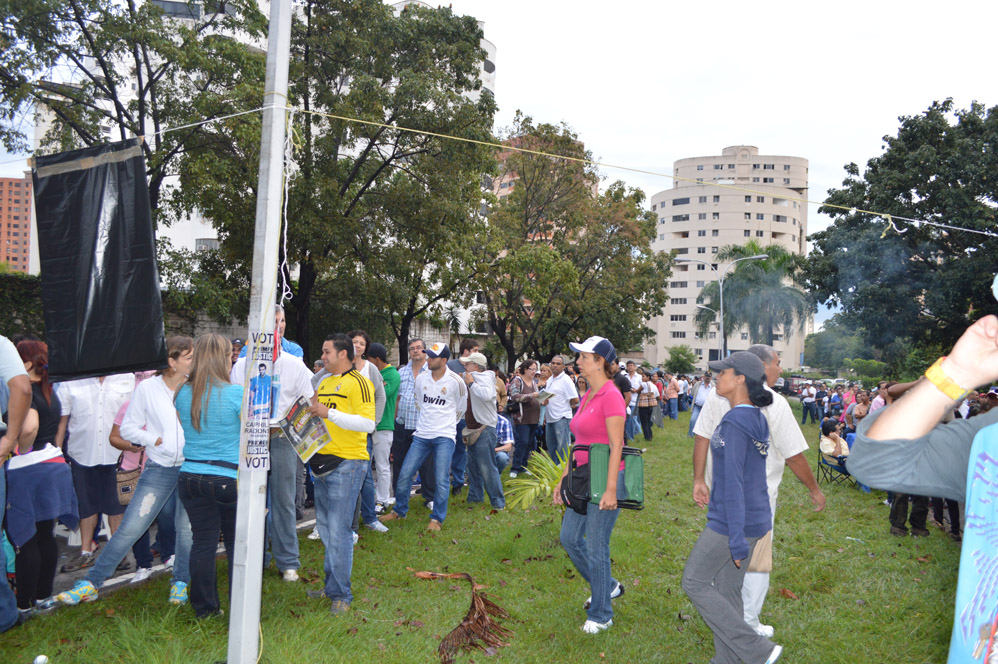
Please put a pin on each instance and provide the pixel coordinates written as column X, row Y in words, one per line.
column 247, row 563
column 720, row 347
column 720, row 289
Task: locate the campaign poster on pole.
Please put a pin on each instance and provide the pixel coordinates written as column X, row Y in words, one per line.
column 254, row 449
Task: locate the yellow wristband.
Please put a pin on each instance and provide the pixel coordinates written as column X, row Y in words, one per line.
column 944, row 383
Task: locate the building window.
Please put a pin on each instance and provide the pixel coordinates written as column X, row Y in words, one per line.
column 700, row 284
column 653, row 207
column 767, row 180
column 712, row 335
column 748, row 216
column 760, row 216
column 678, row 300
column 759, row 233
column 777, row 337
column 786, row 180
column 699, row 168
column 702, row 216
column 718, row 167
column 755, row 167
column 702, row 199
column 683, row 250
column 748, row 233
column 678, row 335
column 680, row 217
column 675, row 318
column 745, row 337
column 793, row 238
column 748, row 199
column 661, row 220
column 715, row 216
column 768, row 167
column 701, row 233
column 786, row 167
column 678, row 284
column 699, row 352
column 204, row 244
column 780, row 218
column 713, row 250
column 684, row 234
column 760, row 199
column 755, row 179
column 701, row 267
column 731, row 167
column 701, row 250
column 717, row 199
column 661, row 236
column 681, row 201
column 714, row 233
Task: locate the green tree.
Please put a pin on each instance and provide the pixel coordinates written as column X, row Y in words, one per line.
column 920, row 282
column 107, row 70
column 682, row 359
column 561, row 261
column 373, row 208
column 828, row 349
column 760, row 295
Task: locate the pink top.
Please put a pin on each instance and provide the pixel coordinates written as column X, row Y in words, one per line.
column 131, row 459
column 589, row 423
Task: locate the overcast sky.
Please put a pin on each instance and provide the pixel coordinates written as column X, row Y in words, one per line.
column 646, row 83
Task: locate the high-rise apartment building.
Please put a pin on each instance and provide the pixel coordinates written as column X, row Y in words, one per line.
column 697, row 218
column 15, row 222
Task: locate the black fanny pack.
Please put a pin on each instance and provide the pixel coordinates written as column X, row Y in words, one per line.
column 323, row 464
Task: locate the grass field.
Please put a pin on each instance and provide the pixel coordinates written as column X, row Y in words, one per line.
column 861, row 595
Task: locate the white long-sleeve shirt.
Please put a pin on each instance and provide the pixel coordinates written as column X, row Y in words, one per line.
column 152, row 407
column 440, row 404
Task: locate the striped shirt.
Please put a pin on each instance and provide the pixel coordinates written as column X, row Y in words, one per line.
column 406, row 412
column 504, row 431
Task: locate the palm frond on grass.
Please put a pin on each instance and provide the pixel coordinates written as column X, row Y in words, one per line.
column 539, row 481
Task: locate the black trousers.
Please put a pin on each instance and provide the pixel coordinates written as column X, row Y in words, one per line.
column 210, row 501
column 401, row 442
column 919, row 511
column 645, row 414
column 952, row 507
column 34, row 566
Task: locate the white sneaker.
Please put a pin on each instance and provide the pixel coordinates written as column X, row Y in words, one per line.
column 379, row 508
column 290, row 575
column 429, row 505
column 617, row 591
column 141, row 574
column 593, row 627
column 512, row 474
column 356, row 537
column 314, row 535
column 775, row 655
column 390, row 502
column 377, row 526
column 764, row 630
column 168, row 563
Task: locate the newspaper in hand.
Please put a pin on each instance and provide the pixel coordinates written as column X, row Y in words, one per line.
column 306, row 432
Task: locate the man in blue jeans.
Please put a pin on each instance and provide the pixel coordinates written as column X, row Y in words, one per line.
column 13, row 375
column 558, row 414
column 346, row 403
column 441, row 401
column 481, row 418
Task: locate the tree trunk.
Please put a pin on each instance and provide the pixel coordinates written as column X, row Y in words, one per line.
column 303, row 304
column 403, row 339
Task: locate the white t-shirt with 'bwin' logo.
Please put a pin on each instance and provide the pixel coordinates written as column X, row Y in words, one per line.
column 440, row 404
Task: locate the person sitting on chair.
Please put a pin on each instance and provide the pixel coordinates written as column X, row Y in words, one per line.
column 834, row 448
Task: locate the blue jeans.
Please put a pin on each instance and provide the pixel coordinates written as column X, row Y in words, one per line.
column 8, row 603
column 366, row 500
column 559, row 437
column 586, row 538
column 459, row 460
column 632, row 424
column 166, row 531
column 281, row 530
column 442, row 449
column 157, row 487
column 482, row 470
column 501, row 460
column 682, row 403
column 674, row 409
column 694, row 414
column 210, row 501
column 523, row 445
column 335, row 500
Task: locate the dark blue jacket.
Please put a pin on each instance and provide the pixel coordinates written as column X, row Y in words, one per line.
column 739, row 497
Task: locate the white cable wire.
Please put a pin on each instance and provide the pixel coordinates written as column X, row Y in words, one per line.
column 291, row 169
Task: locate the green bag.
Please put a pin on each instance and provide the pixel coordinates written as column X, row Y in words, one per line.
column 634, row 475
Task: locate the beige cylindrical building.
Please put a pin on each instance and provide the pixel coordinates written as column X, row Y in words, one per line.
column 696, row 219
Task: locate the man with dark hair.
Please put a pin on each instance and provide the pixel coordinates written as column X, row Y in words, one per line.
column 366, row 510
column 346, row 404
column 459, row 462
column 786, row 447
column 405, row 421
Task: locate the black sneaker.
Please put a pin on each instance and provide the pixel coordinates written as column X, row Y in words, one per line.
column 919, row 532
column 81, row 560
column 898, row 531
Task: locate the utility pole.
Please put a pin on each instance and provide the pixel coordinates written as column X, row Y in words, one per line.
column 254, row 459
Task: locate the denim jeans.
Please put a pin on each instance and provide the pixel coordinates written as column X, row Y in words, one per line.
column 682, row 403
column 335, row 498
column 586, row 538
column 632, row 424
column 523, row 445
column 501, row 460
column 281, row 531
column 157, row 487
column 166, row 531
column 459, row 460
column 809, row 409
column 673, row 409
column 364, row 510
column 482, row 470
column 441, row 449
column 694, row 414
column 559, row 437
column 210, row 501
column 8, row 602
column 401, row 442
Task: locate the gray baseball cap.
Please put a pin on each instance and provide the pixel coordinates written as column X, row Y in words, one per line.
column 743, row 363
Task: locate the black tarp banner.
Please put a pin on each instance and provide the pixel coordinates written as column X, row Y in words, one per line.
column 100, row 283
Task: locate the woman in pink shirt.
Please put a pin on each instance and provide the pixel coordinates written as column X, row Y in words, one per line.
column 586, row 537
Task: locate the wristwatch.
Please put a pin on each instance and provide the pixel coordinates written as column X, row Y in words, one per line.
column 944, row 383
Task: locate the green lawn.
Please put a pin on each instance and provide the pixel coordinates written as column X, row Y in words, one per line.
column 879, row 599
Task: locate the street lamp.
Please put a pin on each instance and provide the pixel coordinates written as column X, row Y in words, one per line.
column 720, row 348
column 720, row 289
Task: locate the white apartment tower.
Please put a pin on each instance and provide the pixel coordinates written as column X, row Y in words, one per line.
column 697, row 218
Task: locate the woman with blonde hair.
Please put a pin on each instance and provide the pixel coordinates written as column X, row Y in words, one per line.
column 209, row 407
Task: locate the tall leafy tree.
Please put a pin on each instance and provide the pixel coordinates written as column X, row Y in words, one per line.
column 760, row 295
column 917, row 284
column 102, row 70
